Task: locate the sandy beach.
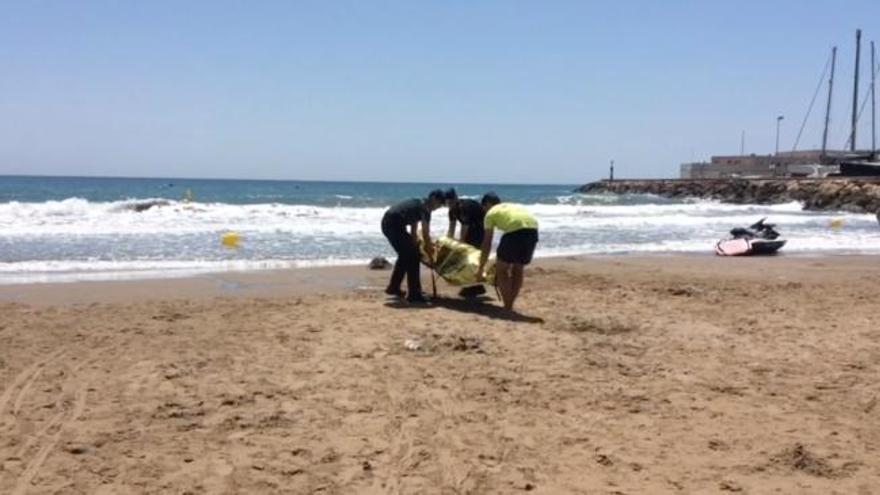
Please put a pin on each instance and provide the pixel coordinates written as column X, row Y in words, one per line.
column 623, row 375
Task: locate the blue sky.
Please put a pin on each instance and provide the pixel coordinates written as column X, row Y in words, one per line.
column 463, row 91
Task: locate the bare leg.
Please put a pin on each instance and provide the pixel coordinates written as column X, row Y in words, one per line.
column 516, row 282
column 504, row 282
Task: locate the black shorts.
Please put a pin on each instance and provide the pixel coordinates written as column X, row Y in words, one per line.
column 518, row 246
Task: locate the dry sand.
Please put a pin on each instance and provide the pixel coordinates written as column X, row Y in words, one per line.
column 626, row 375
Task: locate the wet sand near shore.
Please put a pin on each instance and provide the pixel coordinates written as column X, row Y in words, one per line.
column 665, row 374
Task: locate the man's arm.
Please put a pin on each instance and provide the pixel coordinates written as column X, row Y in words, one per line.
column 426, row 236
column 464, row 232
column 451, row 232
column 484, row 251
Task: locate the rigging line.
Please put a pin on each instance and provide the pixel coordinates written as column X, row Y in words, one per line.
column 812, row 102
column 862, row 106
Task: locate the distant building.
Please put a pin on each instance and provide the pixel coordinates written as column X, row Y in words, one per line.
column 809, row 163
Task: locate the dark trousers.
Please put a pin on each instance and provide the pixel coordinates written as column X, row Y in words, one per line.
column 407, row 258
column 475, row 235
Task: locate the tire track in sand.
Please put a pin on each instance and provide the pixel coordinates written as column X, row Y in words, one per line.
column 25, row 390
column 24, row 380
column 54, row 421
column 56, row 426
column 26, row 477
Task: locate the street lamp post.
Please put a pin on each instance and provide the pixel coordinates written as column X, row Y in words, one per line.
column 778, row 121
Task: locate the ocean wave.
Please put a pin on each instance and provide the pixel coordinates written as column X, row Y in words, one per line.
column 75, row 239
column 608, row 198
column 77, row 216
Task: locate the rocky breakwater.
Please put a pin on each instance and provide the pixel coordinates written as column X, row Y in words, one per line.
column 854, row 195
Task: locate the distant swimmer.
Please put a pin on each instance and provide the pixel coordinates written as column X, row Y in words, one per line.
column 517, row 246
column 411, row 213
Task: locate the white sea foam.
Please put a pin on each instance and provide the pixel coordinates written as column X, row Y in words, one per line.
column 75, row 239
column 81, row 217
column 78, row 216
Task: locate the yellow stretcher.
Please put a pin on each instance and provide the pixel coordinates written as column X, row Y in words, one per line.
column 457, row 262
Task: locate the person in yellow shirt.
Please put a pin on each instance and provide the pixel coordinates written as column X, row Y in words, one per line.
column 516, row 248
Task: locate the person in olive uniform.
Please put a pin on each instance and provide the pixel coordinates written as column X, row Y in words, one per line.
column 516, row 248
column 412, row 213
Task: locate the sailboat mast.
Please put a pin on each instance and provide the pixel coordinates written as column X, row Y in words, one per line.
column 855, row 109
column 828, row 105
column 873, row 105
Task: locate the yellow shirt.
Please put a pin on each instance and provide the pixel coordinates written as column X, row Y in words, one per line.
column 509, row 217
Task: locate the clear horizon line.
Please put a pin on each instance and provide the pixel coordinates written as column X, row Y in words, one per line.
column 37, row 176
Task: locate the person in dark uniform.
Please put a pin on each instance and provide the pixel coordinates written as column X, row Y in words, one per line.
column 410, row 213
column 469, row 213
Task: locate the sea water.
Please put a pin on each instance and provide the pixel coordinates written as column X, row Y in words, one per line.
column 56, row 229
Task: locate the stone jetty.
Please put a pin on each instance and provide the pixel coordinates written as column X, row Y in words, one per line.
column 854, row 195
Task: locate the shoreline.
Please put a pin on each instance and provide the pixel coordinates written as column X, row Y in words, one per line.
column 299, row 281
column 122, row 276
column 158, row 275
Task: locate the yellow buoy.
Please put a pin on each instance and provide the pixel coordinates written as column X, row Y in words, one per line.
column 230, row 239
column 836, row 223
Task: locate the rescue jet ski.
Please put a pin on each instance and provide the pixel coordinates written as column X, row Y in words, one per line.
column 758, row 239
